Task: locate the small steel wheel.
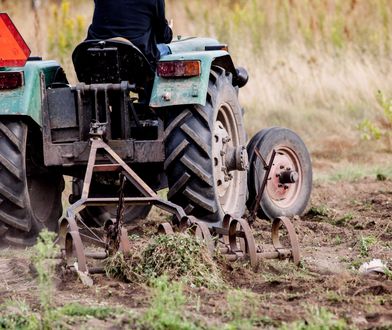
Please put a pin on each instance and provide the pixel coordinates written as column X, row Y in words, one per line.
column 289, row 184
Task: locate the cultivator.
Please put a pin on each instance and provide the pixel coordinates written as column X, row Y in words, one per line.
column 233, row 239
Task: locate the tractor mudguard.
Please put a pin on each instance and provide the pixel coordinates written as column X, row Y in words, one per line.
column 183, row 91
column 27, row 99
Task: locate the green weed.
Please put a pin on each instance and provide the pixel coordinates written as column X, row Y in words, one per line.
column 43, row 259
column 167, row 307
column 76, row 309
column 342, row 221
column 318, row 318
column 365, row 243
column 16, row 314
column 319, row 211
column 369, row 130
column 337, row 240
column 242, row 311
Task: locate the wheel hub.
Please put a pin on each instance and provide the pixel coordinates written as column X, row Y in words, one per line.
column 284, row 181
column 227, row 158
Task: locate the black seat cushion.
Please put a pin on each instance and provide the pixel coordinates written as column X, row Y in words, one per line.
column 111, row 61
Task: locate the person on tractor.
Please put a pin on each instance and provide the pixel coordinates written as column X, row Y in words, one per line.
column 141, row 22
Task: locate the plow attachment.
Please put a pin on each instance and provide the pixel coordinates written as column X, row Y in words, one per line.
column 234, row 239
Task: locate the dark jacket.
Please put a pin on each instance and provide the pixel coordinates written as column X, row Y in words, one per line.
column 142, row 22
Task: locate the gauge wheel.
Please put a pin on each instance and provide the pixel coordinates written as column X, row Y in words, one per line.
column 289, row 183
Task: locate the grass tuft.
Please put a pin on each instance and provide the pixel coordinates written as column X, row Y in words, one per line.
column 179, row 257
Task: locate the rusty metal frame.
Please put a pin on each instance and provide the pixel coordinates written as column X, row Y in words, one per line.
column 117, row 164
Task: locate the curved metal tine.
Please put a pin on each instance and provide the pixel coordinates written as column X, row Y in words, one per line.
column 249, row 244
column 226, row 225
column 165, row 228
column 89, row 229
column 74, row 248
column 293, row 238
column 202, row 231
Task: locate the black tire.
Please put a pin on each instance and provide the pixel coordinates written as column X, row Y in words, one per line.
column 192, row 144
column 30, row 195
column 279, row 199
column 96, row 216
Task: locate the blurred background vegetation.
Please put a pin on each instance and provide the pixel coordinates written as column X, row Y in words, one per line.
column 320, row 67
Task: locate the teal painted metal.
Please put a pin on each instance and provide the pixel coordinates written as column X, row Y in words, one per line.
column 192, row 44
column 27, row 100
column 183, row 91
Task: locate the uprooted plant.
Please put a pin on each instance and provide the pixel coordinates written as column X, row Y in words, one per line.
column 179, row 257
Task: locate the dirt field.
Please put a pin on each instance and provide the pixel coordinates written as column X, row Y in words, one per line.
column 348, row 223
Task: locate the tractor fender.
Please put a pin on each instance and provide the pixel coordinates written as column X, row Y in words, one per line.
column 190, row 90
column 27, row 100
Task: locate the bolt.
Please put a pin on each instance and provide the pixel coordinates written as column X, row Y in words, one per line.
column 167, row 96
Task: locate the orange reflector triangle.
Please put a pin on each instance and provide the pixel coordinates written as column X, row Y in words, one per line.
column 13, row 49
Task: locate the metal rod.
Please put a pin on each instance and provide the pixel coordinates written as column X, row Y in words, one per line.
column 96, row 255
column 99, row 239
column 96, row 270
column 281, row 254
column 103, row 87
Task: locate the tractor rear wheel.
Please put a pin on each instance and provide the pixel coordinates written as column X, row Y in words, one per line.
column 205, row 158
column 30, row 195
column 289, row 184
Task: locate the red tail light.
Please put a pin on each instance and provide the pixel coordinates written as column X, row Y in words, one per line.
column 11, row 80
column 171, row 69
column 13, row 49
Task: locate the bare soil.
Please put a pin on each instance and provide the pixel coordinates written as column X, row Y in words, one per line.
column 349, row 223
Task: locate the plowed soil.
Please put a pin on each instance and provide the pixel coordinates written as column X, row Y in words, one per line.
column 349, row 223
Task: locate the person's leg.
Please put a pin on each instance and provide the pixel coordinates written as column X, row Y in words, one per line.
column 163, row 49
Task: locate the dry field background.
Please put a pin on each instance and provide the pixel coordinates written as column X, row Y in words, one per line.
column 320, row 67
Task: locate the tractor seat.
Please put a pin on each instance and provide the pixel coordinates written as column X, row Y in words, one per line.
column 111, row 61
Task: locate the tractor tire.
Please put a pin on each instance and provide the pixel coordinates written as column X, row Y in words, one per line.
column 95, row 216
column 196, row 138
column 30, row 195
column 280, row 197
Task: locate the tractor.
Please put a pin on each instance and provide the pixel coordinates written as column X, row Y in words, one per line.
column 176, row 125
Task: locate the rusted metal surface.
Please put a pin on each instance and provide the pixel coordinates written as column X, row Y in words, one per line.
column 292, row 236
column 268, row 168
column 165, row 228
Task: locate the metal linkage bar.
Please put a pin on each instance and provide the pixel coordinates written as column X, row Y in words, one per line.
column 105, row 87
column 267, row 168
column 74, row 233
